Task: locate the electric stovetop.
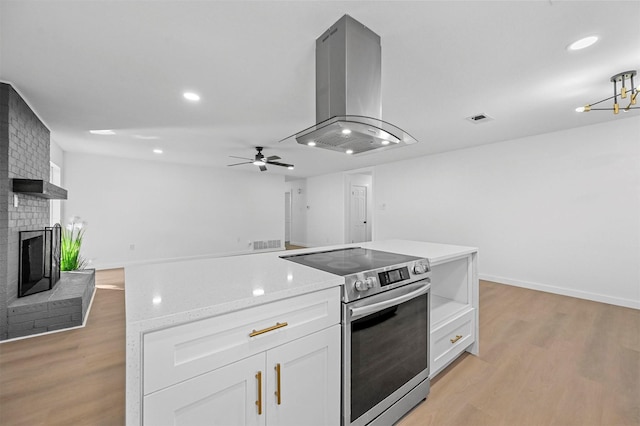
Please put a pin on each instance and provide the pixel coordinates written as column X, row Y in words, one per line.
column 349, row 261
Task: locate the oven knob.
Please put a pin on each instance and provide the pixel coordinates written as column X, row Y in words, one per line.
column 366, row 284
column 420, row 268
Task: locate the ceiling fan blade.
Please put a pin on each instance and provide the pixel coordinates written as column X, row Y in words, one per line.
column 237, row 164
column 275, row 163
column 242, row 158
column 263, row 168
column 272, row 157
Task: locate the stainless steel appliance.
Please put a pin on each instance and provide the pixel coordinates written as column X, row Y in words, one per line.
column 349, row 93
column 385, row 324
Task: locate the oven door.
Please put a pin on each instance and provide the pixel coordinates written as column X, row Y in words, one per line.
column 385, row 350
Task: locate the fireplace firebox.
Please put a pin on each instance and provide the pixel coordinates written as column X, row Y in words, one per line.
column 39, row 260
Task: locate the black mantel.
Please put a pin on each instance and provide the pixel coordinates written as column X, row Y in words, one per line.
column 39, row 188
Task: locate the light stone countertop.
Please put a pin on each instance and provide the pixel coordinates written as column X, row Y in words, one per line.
column 163, row 294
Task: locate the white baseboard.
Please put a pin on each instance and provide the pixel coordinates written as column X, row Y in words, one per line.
column 596, row 297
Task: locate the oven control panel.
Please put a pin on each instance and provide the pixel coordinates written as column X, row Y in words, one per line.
column 367, row 283
column 393, row 276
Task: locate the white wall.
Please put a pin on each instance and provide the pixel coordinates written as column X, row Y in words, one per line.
column 557, row 212
column 56, row 208
column 169, row 210
column 325, row 215
column 56, row 154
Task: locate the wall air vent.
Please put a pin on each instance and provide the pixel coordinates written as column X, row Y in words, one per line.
column 479, row 118
column 268, row 244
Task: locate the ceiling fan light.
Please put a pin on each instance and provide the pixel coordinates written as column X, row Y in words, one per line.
column 259, row 163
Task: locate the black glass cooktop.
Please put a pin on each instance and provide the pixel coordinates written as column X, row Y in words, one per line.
column 349, row 260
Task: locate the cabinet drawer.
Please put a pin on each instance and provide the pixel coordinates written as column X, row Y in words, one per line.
column 451, row 340
column 184, row 351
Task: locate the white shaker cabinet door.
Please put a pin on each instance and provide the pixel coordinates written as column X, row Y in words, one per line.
column 223, row 397
column 309, row 381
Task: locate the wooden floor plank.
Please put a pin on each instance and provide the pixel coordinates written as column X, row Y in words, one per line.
column 544, row 360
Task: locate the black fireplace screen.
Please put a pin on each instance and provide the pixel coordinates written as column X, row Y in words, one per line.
column 39, row 260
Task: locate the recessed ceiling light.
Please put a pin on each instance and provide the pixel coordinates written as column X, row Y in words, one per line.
column 290, row 167
column 385, row 142
column 346, row 131
column 349, row 151
column 102, row 132
column 311, row 143
column 157, row 151
column 191, row 96
column 583, row 43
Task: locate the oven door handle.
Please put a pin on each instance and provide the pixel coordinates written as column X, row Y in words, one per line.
column 369, row 309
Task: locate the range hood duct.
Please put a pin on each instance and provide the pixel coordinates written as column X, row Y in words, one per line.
column 348, row 93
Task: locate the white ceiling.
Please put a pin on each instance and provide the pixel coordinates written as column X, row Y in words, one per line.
column 123, row 65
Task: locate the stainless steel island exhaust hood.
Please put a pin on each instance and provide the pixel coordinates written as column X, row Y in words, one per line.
column 348, row 93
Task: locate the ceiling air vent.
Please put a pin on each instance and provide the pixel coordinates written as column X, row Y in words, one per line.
column 479, row 118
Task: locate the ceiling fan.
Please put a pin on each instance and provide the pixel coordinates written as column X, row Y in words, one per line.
column 261, row 161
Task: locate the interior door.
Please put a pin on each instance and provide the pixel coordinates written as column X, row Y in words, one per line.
column 358, row 225
column 287, row 217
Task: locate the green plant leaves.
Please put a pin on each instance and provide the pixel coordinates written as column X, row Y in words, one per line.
column 71, row 240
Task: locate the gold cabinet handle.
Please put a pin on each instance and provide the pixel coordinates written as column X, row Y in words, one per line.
column 268, row 329
column 259, row 401
column 278, row 391
column 455, row 339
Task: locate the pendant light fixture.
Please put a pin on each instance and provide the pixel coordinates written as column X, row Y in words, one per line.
column 630, row 93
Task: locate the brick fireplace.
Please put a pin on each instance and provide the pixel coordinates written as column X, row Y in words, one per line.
column 24, row 154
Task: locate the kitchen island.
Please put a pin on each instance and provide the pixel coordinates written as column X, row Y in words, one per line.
column 196, row 324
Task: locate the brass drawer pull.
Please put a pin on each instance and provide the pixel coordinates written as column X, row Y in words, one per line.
column 259, row 401
column 455, row 339
column 268, row 329
column 278, row 391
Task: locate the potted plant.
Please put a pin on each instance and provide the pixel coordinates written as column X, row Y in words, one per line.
column 70, row 243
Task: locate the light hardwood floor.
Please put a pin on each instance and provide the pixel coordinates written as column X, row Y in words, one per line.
column 545, row 360
column 73, row 377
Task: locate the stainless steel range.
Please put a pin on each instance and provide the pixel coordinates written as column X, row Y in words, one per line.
column 385, row 331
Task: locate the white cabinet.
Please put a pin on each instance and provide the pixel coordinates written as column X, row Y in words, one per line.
column 288, row 371
column 454, row 310
column 296, row 384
